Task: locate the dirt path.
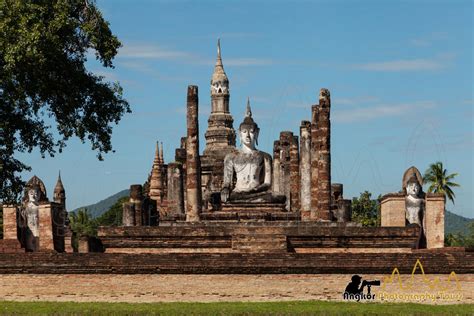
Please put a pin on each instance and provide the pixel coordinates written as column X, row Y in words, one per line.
column 214, row 288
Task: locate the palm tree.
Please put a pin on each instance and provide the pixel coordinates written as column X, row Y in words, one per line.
column 440, row 181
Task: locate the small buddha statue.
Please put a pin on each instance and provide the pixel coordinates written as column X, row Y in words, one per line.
column 252, row 167
column 30, row 218
column 414, row 201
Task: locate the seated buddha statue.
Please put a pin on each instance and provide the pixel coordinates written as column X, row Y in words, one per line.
column 252, row 168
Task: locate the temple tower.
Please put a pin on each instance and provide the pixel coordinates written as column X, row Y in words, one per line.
column 59, row 195
column 220, row 134
column 156, row 179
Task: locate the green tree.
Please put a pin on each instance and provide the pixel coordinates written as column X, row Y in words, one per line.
column 365, row 210
column 45, row 86
column 82, row 224
column 113, row 217
column 439, row 181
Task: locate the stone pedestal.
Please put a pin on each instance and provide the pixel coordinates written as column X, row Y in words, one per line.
column 392, row 210
column 434, row 220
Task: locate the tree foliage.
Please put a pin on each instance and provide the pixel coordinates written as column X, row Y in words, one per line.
column 82, row 224
column 439, row 180
column 113, row 217
column 45, row 86
column 461, row 240
column 365, row 210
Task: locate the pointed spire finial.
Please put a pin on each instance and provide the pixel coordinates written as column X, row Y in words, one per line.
column 161, row 153
column 157, row 152
column 59, row 176
column 248, row 112
column 219, row 48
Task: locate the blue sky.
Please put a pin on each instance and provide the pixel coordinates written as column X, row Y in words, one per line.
column 399, row 72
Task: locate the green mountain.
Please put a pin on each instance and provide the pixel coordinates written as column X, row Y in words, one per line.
column 456, row 224
column 99, row 208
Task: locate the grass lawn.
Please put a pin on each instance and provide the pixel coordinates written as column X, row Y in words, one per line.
column 239, row 308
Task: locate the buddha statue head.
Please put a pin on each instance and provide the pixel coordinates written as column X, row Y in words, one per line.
column 248, row 130
column 413, row 186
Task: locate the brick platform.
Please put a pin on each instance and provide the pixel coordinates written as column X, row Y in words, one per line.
column 289, row 237
column 442, row 262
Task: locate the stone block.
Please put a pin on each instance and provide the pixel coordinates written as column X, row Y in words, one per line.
column 392, row 210
column 10, row 220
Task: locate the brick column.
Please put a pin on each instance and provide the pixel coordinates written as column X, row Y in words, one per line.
column 294, row 174
column 314, row 162
column 276, row 167
column 175, row 189
column 128, row 214
column 434, row 220
column 286, row 138
column 136, row 197
column 324, row 157
column 193, row 162
column 10, row 220
column 45, row 216
column 305, row 169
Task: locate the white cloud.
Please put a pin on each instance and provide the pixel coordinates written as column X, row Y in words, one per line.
column 384, row 110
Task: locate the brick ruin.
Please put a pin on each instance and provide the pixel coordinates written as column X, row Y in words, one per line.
column 51, row 231
column 179, row 208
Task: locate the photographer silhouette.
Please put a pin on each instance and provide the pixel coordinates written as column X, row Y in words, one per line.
column 353, row 286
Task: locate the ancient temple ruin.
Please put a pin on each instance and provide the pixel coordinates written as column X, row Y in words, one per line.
column 232, row 199
column 238, row 200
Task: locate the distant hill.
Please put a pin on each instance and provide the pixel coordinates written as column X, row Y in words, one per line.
column 455, row 224
column 100, row 207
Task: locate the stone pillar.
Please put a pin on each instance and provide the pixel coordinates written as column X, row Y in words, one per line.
column 434, row 220
column 276, row 167
column 193, row 162
column 175, row 189
column 324, row 157
column 294, row 174
column 10, row 222
column 45, row 218
column 286, row 138
column 392, row 210
column 68, row 241
column 128, row 215
column 305, row 170
column 136, row 197
column 83, row 245
column 314, row 162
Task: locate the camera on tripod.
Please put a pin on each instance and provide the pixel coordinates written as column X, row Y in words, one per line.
column 370, row 283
